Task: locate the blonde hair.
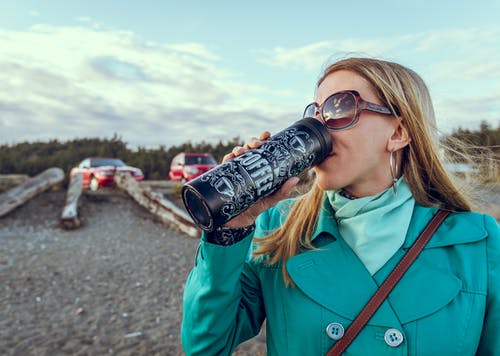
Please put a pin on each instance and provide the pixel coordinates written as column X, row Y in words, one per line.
column 403, row 91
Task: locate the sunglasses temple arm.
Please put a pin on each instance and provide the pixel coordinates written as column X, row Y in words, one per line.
column 379, row 108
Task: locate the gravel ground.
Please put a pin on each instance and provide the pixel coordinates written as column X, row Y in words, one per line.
column 113, row 286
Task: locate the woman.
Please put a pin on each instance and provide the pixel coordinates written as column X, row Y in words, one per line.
column 318, row 258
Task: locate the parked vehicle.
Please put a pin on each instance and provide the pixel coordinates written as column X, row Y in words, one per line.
column 100, row 172
column 187, row 166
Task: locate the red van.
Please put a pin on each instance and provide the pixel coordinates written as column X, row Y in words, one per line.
column 187, row 166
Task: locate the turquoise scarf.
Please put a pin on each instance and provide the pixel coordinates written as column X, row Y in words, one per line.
column 374, row 227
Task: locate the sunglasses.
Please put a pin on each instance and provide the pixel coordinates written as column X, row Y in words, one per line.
column 341, row 110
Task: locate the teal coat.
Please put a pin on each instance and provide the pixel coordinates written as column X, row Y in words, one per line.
column 448, row 302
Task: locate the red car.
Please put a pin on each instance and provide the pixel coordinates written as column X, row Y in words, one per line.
column 187, row 166
column 100, row 172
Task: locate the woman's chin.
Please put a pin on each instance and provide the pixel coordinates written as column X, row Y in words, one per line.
column 324, row 183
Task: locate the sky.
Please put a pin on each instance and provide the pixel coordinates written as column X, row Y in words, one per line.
column 164, row 72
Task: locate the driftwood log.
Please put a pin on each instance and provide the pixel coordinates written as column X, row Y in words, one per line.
column 30, row 188
column 164, row 209
column 69, row 216
column 8, row 181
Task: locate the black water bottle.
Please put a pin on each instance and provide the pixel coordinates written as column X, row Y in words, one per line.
column 225, row 191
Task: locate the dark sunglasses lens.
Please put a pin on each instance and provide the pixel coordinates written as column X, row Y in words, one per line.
column 310, row 111
column 339, row 110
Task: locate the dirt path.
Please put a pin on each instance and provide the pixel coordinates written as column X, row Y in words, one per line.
column 114, row 286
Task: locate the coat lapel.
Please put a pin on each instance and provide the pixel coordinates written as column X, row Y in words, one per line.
column 416, row 296
column 334, row 277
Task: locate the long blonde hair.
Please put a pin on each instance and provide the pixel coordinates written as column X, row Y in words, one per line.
column 397, row 87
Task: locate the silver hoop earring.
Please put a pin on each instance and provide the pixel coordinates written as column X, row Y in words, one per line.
column 394, row 173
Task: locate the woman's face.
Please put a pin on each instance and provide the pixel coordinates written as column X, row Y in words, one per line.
column 359, row 161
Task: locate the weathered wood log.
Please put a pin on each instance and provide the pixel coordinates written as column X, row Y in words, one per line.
column 164, row 209
column 20, row 194
column 8, row 181
column 69, row 216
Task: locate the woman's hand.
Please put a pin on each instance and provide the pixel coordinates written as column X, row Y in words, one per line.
column 248, row 216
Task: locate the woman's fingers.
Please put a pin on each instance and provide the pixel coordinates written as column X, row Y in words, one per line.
column 228, row 157
column 264, row 136
column 252, row 143
column 239, row 150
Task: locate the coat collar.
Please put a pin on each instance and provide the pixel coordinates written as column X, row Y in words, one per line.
column 449, row 233
column 334, row 277
column 326, row 221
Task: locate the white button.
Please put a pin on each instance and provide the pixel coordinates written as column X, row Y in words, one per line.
column 335, row 331
column 393, row 337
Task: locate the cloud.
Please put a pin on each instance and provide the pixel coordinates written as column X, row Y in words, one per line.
column 67, row 82
column 88, row 81
column 468, row 112
column 117, row 69
column 473, row 44
column 455, row 63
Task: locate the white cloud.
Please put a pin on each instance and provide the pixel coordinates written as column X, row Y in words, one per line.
column 313, row 56
column 474, row 44
column 67, row 82
column 85, row 81
column 468, row 112
column 456, row 63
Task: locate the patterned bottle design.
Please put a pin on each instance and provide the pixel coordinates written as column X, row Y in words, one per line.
column 225, row 191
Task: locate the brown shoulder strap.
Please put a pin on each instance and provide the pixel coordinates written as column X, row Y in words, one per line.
column 386, row 287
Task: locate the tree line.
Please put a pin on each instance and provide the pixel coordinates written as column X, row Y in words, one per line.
column 32, row 158
column 477, row 141
column 480, row 149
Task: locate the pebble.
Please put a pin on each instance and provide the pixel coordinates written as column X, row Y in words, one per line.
column 135, row 334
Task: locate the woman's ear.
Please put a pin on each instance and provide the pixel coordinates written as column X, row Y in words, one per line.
column 399, row 138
